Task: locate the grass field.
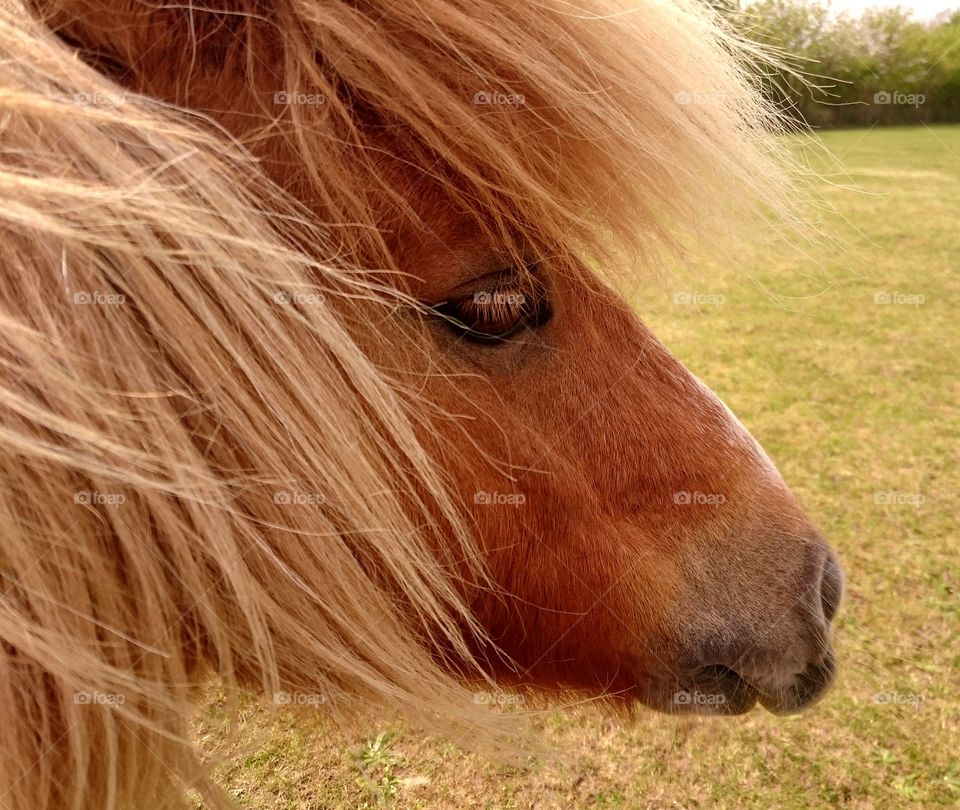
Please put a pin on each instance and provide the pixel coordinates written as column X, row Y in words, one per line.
column 844, row 363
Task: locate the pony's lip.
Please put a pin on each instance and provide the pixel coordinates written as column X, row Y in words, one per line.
column 708, row 691
column 728, row 690
column 720, row 690
column 806, row 688
column 801, row 691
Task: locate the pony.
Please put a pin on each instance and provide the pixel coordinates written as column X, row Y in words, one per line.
column 316, row 381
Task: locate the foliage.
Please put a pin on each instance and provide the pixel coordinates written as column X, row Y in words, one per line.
column 837, row 70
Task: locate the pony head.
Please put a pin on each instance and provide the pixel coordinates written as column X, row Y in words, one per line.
column 316, row 380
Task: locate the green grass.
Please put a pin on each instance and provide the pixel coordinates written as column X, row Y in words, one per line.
column 854, row 399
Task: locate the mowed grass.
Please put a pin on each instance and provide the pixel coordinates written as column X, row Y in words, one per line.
column 843, row 361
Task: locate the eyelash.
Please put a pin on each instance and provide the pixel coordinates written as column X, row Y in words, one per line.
column 513, row 303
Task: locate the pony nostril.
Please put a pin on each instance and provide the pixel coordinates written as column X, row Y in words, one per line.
column 831, row 588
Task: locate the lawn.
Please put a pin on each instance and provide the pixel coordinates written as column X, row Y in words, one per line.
column 843, row 360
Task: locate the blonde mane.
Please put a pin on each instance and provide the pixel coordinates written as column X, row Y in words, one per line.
column 204, row 480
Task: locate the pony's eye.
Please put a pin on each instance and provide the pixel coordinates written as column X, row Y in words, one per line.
column 498, row 310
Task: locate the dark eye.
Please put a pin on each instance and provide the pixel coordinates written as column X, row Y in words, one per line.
column 498, row 309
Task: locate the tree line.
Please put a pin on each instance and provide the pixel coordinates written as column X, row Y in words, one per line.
column 880, row 68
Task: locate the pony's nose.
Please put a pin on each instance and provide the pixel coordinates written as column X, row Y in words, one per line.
column 785, row 662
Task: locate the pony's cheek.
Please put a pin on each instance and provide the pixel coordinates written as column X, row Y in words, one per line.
column 587, row 607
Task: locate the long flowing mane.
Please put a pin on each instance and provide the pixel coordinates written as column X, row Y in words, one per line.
column 171, row 418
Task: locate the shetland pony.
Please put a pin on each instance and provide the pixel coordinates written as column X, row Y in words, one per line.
column 314, row 382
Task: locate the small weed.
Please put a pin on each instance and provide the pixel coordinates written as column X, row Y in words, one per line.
column 376, row 763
